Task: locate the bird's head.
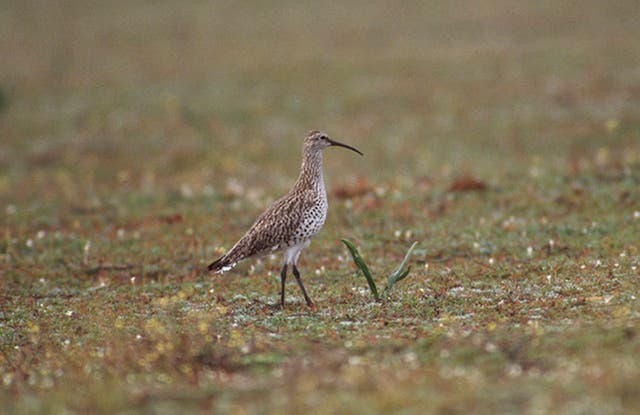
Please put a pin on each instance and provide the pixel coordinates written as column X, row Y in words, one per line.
column 318, row 141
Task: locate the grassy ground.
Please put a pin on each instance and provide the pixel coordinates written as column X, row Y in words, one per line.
column 140, row 139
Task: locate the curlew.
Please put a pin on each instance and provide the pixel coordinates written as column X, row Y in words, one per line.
column 290, row 223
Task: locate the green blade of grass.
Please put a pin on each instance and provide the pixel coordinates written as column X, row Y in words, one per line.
column 403, row 275
column 399, row 274
column 357, row 259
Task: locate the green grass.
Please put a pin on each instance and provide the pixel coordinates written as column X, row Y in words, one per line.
column 399, row 274
column 138, row 140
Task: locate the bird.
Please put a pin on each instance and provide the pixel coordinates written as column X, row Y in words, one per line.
column 290, row 222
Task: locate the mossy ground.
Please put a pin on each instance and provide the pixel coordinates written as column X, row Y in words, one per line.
column 139, row 140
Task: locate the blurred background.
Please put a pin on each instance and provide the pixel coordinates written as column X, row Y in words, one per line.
column 139, row 139
column 103, row 97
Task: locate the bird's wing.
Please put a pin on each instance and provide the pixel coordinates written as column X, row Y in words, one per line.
column 273, row 229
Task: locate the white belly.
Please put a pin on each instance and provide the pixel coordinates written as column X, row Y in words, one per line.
column 312, row 221
column 292, row 253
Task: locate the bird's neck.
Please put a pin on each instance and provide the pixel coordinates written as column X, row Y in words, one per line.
column 311, row 171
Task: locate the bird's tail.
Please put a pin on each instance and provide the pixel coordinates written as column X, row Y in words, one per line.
column 225, row 262
column 221, row 265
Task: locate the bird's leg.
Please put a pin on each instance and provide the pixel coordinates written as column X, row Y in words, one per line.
column 296, row 274
column 283, row 278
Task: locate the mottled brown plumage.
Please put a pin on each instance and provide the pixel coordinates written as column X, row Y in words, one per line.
column 291, row 222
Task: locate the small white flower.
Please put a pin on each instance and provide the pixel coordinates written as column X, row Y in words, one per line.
column 529, row 251
column 208, row 190
column 410, row 357
column 29, row 243
column 514, row 370
column 186, row 191
column 40, row 234
column 355, row 360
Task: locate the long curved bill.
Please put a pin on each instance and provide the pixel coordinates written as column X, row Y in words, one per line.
column 339, row 144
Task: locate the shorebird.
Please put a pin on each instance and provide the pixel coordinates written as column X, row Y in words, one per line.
column 290, row 223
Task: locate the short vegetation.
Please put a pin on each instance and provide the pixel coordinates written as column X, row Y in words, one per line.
column 138, row 140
